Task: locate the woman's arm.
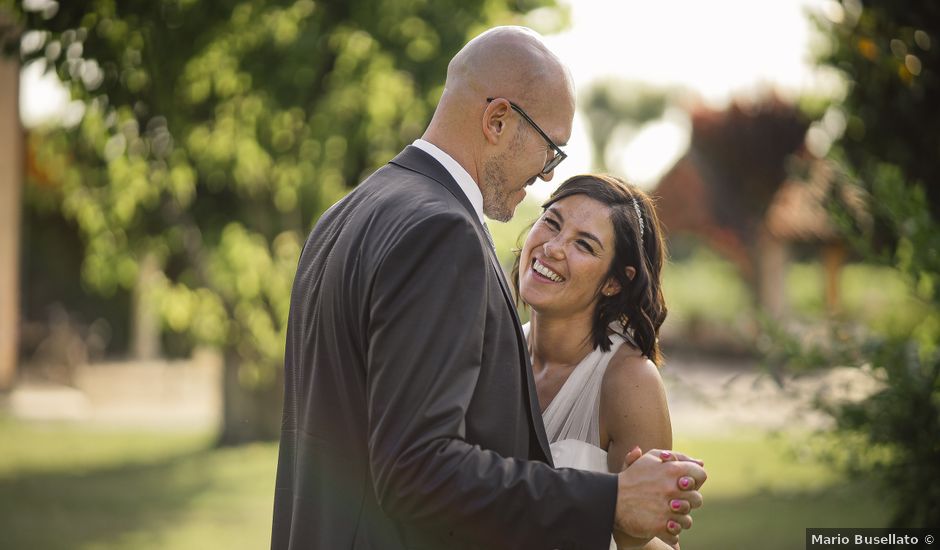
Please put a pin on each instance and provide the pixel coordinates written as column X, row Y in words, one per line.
column 633, row 409
column 633, row 413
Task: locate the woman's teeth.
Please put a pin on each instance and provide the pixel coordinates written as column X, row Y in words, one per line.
column 546, row 272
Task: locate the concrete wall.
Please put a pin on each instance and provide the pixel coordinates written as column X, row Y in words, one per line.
column 156, row 393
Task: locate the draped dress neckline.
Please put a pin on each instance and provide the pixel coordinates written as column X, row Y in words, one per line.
column 573, row 411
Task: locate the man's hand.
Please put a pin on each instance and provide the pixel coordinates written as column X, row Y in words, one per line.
column 656, row 493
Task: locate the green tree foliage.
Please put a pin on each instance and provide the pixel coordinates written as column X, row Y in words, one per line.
column 215, row 133
column 890, row 55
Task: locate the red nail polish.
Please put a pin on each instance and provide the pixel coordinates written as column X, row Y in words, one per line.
column 671, row 525
column 665, row 455
column 684, row 483
column 675, row 504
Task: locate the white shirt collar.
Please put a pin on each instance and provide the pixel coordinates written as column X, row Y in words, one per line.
column 461, row 176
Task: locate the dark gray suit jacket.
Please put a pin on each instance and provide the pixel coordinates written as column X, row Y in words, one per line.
column 410, row 414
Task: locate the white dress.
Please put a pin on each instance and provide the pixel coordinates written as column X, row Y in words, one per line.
column 572, row 420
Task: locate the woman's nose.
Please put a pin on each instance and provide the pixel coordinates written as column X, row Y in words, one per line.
column 553, row 249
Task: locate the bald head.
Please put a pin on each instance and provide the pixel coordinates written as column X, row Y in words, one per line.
column 510, row 62
column 502, row 151
column 504, row 62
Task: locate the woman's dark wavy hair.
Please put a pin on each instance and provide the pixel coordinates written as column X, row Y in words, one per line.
column 639, row 306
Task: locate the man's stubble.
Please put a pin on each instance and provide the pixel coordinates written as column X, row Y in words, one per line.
column 495, row 185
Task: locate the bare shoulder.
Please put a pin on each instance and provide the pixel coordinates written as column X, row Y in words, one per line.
column 629, row 372
column 633, row 407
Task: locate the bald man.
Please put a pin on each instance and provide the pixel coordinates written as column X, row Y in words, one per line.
column 410, row 414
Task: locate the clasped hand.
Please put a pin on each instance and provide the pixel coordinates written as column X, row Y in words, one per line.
column 656, row 494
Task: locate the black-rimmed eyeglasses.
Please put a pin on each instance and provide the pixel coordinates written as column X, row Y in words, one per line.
column 559, row 154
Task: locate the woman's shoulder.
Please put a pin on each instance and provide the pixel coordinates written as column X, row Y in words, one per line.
column 630, row 371
column 633, row 409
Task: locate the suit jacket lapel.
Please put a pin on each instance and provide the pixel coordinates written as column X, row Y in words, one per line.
column 416, row 160
column 534, row 408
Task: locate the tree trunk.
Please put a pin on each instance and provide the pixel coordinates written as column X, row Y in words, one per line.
column 145, row 335
column 11, row 182
column 248, row 413
column 833, row 258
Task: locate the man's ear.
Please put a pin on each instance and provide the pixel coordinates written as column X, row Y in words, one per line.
column 494, row 120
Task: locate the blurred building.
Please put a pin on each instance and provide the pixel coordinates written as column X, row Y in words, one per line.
column 732, row 190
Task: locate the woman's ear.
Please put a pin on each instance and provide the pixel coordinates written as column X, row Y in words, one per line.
column 611, row 287
column 494, row 120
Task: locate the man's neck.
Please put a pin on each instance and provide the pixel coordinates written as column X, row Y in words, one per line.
column 462, row 154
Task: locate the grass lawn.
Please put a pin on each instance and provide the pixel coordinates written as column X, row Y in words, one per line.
column 764, row 491
column 65, row 487
column 70, row 487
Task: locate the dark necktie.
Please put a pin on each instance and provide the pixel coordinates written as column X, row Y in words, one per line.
column 489, row 236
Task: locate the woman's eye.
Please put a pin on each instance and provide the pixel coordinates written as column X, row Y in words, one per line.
column 584, row 245
column 551, row 223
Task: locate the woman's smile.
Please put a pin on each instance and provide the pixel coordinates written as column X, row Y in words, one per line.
column 546, row 272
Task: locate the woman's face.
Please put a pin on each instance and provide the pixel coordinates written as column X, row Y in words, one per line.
column 566, row 258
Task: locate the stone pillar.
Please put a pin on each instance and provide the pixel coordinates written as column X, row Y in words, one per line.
column 11, row 185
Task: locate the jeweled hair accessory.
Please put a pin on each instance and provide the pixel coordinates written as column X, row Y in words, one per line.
column 639, row 216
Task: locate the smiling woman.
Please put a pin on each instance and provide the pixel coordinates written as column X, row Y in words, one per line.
column 603, row 235
column 570, row 252
column 590, row 272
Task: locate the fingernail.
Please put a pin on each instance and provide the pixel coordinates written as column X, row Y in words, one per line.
column 665, row 455
column 684, row 482
column 671, row 525
column 675, row 504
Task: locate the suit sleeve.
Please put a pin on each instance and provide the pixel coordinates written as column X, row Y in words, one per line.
column 426, row 313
